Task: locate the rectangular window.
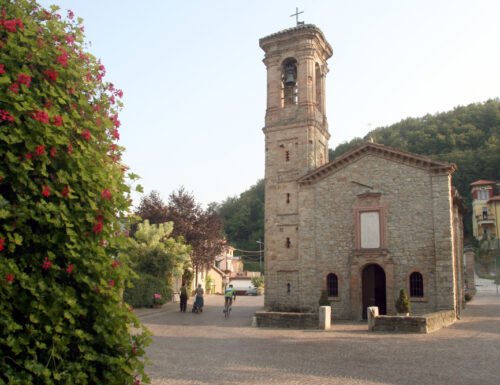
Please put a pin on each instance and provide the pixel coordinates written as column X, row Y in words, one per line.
column 287, row 155
column 370, row 230
column 288, row 243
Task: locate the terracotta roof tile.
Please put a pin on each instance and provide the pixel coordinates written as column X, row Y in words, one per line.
column 482, row 182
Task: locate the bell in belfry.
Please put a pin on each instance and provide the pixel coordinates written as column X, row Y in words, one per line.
column 290, row 75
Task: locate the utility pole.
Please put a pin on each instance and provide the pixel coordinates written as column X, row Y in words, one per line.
column 260, row 255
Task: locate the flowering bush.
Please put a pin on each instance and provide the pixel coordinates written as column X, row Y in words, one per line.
column 63, row 199
column 157, row 299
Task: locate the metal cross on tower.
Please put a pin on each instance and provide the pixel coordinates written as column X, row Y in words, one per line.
column 296, row 14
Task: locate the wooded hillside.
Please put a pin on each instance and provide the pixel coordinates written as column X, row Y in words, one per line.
column 467, row 136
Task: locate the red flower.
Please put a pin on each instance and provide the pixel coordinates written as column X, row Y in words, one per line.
column 70, row 148
column 57, row 120
column 97, row 227
column 46, row 191
column 51, row 75
column 70, row 40
column 115, row 120
column 23, row 79
column 40, row 116
column 1, row 244
column 65, row 191
column 111, row 283
column 53, row 152
column 70, row 269
column 29, row 156
column 14, row 88
column 115, row 134
column 9, row 278
column 135, row 349
column 46, row 264
column 11, row 25
column 40, row 150
column 2, row 68
column 119, row 93
column 112, row 147
column 89, row 76
column 70, row 14
column 63, row 59
column 106, row 194
column 86, row 134
column 115, row 263
column 137, row 382
column 4, row 115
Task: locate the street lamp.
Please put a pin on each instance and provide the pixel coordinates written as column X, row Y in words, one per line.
column 260, row 254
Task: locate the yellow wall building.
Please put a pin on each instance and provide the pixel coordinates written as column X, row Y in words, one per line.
column 485, row 210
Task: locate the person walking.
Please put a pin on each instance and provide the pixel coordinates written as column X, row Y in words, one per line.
column 198, row 305
column 184, row 297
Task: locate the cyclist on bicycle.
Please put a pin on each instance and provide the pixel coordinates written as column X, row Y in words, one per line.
column 229, row 295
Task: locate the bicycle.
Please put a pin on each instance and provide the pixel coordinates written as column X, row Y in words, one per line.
column 227, row 309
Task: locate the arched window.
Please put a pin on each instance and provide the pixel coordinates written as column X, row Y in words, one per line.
column 319, row 91
column 332, row 285
column 416, row 285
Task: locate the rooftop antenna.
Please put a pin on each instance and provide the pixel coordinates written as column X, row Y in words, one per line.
column 296, row 14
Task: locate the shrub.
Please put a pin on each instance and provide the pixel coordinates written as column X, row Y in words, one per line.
column 258, row 282
column 63, row 201
column 323, row 299
column 403, row 303
column 143, row 288
column 468, row 297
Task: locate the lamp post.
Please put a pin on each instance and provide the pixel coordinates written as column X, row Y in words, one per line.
column 260, row 254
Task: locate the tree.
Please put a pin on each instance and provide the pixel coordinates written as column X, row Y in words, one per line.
column 152, row 208
column 63, row 202
column 155, row 253
column 156, row 259
column 201, row 229
column 243, row 217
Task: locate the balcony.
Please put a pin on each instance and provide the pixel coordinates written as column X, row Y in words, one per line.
column 485, row 219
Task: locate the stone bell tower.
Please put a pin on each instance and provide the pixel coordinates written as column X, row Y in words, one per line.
column 296, row 132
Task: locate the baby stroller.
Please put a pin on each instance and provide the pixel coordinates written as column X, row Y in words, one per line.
column 197, row 304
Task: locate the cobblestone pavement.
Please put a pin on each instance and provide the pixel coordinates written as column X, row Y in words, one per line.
column 206, row 348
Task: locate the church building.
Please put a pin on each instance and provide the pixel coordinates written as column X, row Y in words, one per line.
column 361, row 226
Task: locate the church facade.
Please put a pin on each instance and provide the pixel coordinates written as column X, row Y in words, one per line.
column 362, row 226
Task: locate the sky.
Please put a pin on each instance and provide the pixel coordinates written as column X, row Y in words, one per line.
column 195, row 86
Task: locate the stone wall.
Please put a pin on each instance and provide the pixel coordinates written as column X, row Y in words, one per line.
column 287, row 320
column 414, row 324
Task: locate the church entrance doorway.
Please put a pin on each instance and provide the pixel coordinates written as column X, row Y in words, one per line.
column 373, row 286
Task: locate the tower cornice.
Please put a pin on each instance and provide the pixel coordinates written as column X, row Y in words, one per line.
column 300, row 31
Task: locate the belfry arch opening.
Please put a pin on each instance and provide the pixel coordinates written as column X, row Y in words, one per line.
column 289, row 83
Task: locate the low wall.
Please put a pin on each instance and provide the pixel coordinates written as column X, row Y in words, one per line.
column 414, row 324
column 269, row 319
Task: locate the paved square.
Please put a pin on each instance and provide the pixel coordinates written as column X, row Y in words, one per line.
column 206, row 348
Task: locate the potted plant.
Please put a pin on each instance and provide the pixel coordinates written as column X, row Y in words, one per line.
column 403, row 304
column 258, row 282
column 323, row 299
column 157, row 300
